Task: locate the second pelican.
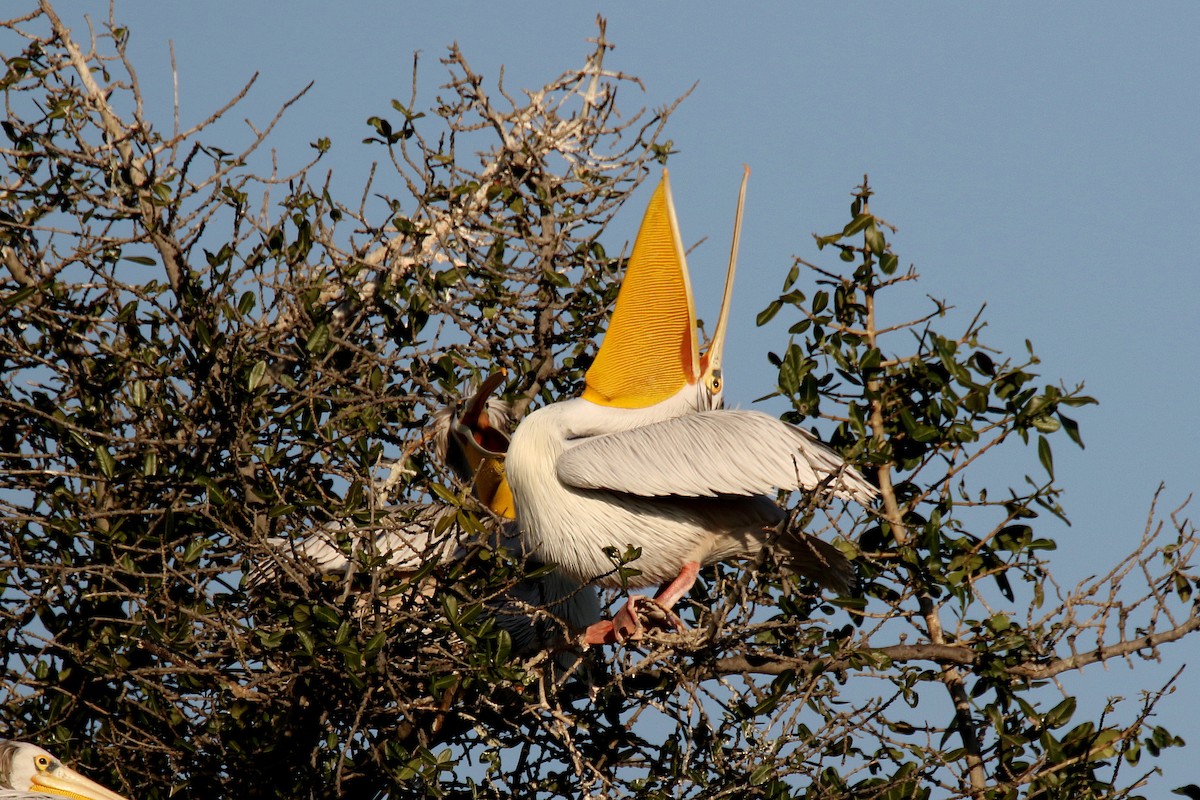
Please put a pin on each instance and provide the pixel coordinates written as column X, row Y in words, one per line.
column 648, row 459
column 27, row 772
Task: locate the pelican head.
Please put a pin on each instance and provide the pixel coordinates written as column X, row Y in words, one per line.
column 28, row 768
column 651, row 352
column 471, row 440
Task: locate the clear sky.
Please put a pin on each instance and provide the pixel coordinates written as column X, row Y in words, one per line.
column 1041, row 158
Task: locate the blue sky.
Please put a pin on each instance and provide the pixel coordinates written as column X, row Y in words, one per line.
column 1041, row 158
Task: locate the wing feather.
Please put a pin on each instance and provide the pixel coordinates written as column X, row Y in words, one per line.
column 707, row 454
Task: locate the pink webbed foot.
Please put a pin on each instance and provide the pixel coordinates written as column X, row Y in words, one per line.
column 628, row 625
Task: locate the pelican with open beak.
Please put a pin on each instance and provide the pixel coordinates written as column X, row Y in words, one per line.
column 472, row 442
column 29, row 772
column 470, row 436
column 647, row 458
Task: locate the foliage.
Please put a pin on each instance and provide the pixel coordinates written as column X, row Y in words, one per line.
column 198, row 357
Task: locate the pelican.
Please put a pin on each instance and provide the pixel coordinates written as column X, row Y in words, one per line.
column 472, row 442
column 29, row 772
column 647, row 458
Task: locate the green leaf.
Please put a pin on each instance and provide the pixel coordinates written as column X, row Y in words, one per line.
column 1045, row 456
column 874, row 239
column 1072, row 429
column 792, row 369
column 792, row 276
column 194, row 549
column 762, row 773
column 1061, row 714
column 859, row 223
column 256, row 375
column 108, row 465
column 144, row 260
column 318, row 340
column 1046, row 424
column 17, row 296
column 1014, row 537
column 374, row 644
column 215, row 494
column 503, row 646
column 246, row 303
column 326, row 615
column 1079, row 400
column 768, row 313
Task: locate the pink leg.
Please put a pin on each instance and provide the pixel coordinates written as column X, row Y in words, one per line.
column 627, row 625
column 674, row 591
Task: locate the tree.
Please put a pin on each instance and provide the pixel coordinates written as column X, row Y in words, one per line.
column 198, row 357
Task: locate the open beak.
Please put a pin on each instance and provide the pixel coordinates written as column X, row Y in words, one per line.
column 62, row 780
column 651, row 349
column 710, row 362
column 472, row 431
column 480, row 449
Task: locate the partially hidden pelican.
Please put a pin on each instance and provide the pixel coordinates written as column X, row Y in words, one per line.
column 29, row 772
column 471, row 438
column 647, row 458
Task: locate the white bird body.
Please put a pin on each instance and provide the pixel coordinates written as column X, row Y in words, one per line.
column 28, row 772
column 587, row 477
column 648, row 458
column 602, row 490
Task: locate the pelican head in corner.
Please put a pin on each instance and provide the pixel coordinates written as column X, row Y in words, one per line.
column 647, row 458
column 29, row 772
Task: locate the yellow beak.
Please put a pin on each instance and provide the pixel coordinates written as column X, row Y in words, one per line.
column 64, row 781
column 710, row 362
column 651, row 349
column 481, row 449
column 491, row 487
column 471, row 432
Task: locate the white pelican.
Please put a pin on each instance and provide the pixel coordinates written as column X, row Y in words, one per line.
column 29, row 772
column 647, row 459
column 472, row 442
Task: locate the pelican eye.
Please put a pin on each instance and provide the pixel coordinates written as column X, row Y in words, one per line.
column 715, row 382
column 42, row 762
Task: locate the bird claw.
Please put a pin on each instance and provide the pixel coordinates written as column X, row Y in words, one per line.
column 628, row 624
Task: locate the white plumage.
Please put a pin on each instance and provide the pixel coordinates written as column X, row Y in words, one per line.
column 646, row 458
column 30, row 773
column 413, row 543
column 687, row 489
column 407, row 537
column 645, row 461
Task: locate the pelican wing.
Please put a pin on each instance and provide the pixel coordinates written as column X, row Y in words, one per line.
column 407, row 539
column 708, row 454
